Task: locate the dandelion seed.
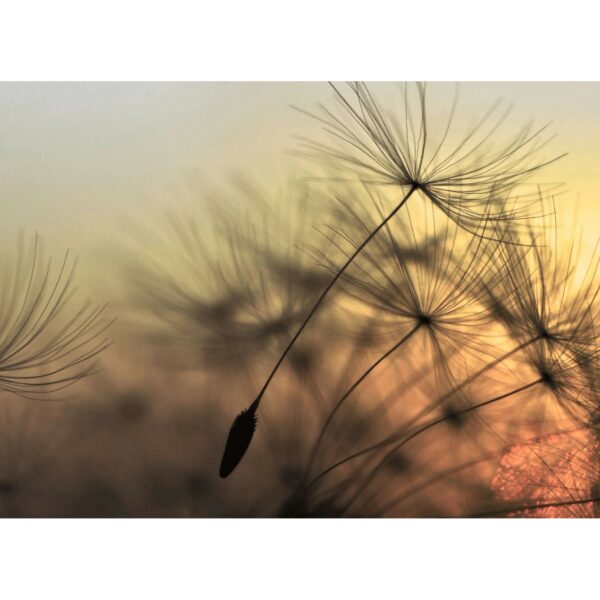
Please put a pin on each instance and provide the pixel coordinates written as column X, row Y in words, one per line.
column 240, row 436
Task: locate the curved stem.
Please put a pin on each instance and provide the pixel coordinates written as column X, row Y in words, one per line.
column 349, row 391
column 324, row 293
column 432, row 424
column 488, row 367
column 384, row 404
column 391, row 439
column 432, row 480
column 557, row 503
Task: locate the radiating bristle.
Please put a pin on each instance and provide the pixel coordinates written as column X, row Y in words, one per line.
column 240, row 436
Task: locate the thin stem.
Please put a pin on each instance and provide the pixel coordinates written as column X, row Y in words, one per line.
column 324, row 293
column 459, row 387
column 557, row 503
column 489, row 366
column 385, row 403
column 432, row 424
column 432, row 480
column 349, row 391
column 391, row 439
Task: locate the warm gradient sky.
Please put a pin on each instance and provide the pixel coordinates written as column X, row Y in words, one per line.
column 78, row 157
column 81, row 163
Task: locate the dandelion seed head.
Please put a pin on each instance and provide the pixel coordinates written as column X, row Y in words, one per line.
column 541, row 294
column 419, row 272
column 458, row 173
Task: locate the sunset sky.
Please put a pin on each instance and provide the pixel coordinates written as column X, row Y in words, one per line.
column 80, row 158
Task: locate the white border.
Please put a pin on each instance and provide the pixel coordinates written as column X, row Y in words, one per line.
column 273, row 40
column 313, row 39
column 296, row 560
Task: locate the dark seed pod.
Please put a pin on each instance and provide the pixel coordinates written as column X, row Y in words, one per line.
column 240, row 436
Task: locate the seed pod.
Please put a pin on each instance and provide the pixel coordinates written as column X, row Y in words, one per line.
column 240, row 436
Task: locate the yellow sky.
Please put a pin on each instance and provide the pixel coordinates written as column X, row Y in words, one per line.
column 77, row 159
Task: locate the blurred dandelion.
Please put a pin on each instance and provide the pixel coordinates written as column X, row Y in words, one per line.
column 236, row 284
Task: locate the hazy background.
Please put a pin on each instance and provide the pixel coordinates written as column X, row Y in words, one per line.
column 76, row 157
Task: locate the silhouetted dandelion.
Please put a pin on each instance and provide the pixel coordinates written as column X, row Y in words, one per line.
column 466, row 325
column 430, row 282
column 545, row 295
column 47, row 341
column 550, row 312
column 463, row 182
column 560, row 376
column 460, row 173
